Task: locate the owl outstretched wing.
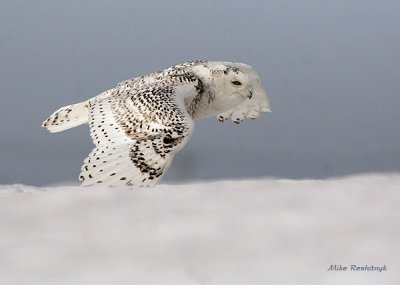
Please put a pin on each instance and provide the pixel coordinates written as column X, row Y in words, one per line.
column 137, row 133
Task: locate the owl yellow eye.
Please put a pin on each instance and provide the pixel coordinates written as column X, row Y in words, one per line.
column 236, row 82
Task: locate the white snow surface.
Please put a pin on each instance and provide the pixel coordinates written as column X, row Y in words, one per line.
column 265, row 231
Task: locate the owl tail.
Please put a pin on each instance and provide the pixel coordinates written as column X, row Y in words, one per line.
column 68, row 117
column 74, row 115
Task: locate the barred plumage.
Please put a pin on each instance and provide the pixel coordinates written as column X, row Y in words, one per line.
column 143, row 122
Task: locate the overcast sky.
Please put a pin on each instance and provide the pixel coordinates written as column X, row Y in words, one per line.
column 331, row 69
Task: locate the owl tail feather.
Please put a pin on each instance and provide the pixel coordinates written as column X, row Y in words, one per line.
column 68, row 117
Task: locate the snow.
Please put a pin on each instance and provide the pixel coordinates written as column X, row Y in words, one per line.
column 266, row 231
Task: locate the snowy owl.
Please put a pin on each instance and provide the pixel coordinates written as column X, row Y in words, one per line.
column 138, row 126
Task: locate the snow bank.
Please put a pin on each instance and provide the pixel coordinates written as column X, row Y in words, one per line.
column 265, row 231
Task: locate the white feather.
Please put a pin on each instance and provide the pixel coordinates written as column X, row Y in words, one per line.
column 141, row 124
column 112, row 162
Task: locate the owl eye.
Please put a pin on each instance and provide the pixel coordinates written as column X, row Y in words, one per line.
column 236, row 82
column 168, row 139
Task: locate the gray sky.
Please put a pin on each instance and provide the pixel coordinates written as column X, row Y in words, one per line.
column 331, row 69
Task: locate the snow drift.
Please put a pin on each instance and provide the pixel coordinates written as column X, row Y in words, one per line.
column 265, row 231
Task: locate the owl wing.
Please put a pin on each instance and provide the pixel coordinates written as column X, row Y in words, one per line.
column 137, row 133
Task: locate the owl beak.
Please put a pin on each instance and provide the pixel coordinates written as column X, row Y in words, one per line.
column 250, row 95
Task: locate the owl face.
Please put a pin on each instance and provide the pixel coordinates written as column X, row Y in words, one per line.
column 232, row 87
column 231, row 84
column 237, row 84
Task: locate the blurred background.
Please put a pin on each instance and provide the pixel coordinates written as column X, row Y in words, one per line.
column 331, row 69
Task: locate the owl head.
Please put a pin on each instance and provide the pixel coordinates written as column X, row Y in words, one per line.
column 233, row 84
